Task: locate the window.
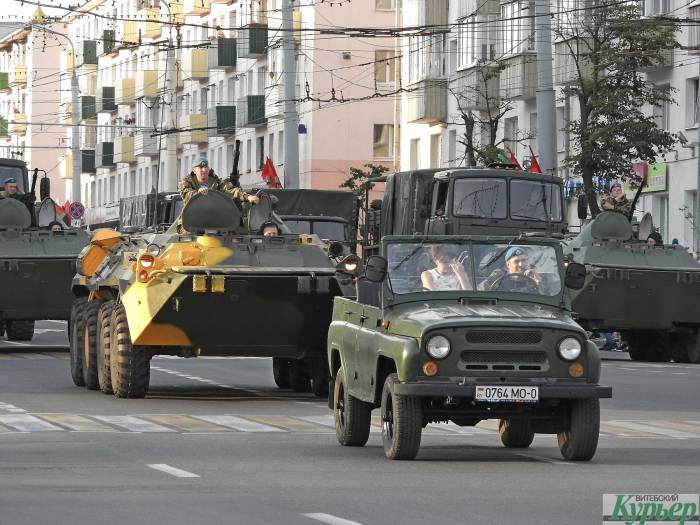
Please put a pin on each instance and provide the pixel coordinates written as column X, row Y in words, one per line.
column 271, row 146
column 248, row 154
column 480, row 198
column 383, row 143
column 568, row 17
column 654, row 7
column 260, row 150
column 561, row 125
column 510, row 133
column 384, row 64
column 689, row 203
column 280, row 147
column 478, row 39
column 691, row 103
column 533, row 131
column 435, row 150
column 385, row 4
column 517, row 27
column 415, row 154
column 452, row 148
column 661, row 206
column 426, row 57
column 661, row 115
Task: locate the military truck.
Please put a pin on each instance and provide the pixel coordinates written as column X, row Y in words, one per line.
column 36, row 265
column 214, row 287
column 495, row 344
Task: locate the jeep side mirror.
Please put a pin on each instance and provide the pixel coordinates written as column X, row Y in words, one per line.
column 375, row 268
column 575, row 276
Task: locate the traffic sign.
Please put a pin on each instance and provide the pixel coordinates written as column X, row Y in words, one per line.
column 77, row 210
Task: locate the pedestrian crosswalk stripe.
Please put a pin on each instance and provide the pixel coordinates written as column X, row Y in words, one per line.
column 686, row 426
column 240, row 424
column 291, row 423
column 610, row 430
column 27, row 423
column 668, row 432
column 186, row 423
column 76, row 423
column 133, row 424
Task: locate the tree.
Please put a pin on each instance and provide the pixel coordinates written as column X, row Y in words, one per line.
column 360, row 181
column 604, row 49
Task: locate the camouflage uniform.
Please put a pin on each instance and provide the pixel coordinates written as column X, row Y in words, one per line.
column 623, row 205
column 189, row 187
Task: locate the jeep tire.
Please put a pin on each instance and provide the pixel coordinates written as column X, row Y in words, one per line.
column 352, row 416
column 280, row 372
column 402, row 422
column 319, row 376
column 76, row 340
column 299, row 376
column 580, row 441
column 19, row 330
column 129, row 365
column 104, row 338
column 90, row 333
column 516, row 432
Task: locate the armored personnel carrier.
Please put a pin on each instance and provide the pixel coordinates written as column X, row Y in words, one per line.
column 36, row 264
column 208, row 287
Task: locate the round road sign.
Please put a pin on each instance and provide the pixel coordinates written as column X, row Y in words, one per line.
column 77, row 210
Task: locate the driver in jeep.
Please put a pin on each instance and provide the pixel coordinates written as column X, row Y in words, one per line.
column 518, row 276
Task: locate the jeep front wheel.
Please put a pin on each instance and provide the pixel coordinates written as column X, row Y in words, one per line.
column 516, row 432
column 580, row 441
column 402, row 422
column 352, row 416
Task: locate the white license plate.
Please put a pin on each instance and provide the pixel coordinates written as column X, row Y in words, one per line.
column 496, row 393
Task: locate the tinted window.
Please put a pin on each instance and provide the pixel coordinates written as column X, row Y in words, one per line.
column 532, row 200
column 480, row 198
column 334, row 231
column 12, row 171
column 298, row 226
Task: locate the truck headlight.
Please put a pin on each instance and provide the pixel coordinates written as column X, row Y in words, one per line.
column 569, row 348
column 438, row 347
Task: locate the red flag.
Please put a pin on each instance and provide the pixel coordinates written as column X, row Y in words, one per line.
column 66, row 208
column 269, row 175
column 534, row 165
column 513, row 158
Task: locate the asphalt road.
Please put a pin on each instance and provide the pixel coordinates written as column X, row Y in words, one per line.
column 216, row 443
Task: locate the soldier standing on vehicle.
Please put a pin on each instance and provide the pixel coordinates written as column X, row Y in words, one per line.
column 617, row 201
column 201, row 179
column 11, row 190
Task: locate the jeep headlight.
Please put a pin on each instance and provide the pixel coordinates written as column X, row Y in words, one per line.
column 438, row 346
column 569, row 348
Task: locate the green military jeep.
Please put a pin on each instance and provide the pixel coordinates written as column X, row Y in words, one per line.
column 463, row 329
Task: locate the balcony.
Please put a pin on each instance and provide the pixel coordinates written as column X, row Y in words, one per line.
column 4, row 82
column 222, row 54
column 65, row 167
column 105, row 100
column 197, row 7
column 88, row 108
column 194, row 126
column 125, row 91
column 221, row 121
column 480, row 7
column 88, row 137
column 428, row 104
column 4, row 131
column 144, row 144
column 65, row 114
column 663, row 58
column 250, row 111
column 146, row 84
column 478, row 88
column 519, row 78
column 694, row 30
column 274, row 97
column 124, row 150
column 568, row 58
column 127, row 33
column 107, row 44
column 87, row 53
column 87, row 161
column 151, row 26
column 18, row 124
column 425, row 13
column 18, row 76
column 104, row 155
column 252, row 41
column 195, row 64
column 177, row 12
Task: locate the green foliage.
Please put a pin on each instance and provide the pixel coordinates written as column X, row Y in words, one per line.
column 611, row 46
column 360, row 181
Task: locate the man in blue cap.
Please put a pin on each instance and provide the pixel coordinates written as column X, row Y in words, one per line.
column 201, row 179
column 517, row 277
column 11, row 190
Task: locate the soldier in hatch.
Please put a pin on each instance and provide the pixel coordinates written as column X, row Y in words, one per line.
column 617, row 201
column 201, row 180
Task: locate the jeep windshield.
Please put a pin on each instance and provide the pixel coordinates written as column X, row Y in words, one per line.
column 325, row 229
column 479, row 268
column 488, row 198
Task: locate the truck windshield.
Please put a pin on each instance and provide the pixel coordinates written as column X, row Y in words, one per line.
column 12, row 171
column 329, row 230
column 531, row 200
column 480, row 198
column 430, row 267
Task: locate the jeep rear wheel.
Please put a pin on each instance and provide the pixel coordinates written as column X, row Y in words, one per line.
column 103, row 342
column 402, row 422
column 90, row 331
column 516, row 432
column 319, row 377
column 352, row 416
column 299, row 376
column 19, row 330
column 130, row 366
column 76, row 341
column 280, row 372
column 580, row 441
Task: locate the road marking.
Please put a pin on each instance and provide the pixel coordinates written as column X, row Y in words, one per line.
column 293, row 424
column 546, row 460
column 48, row 330
column 240, row 424
column 32, row 356
column 133, row 424
column 326, row 420
column 27, row 423
column 653, row 429
column 679, row 425
column 178, row 473
column 55, row 321
column 186, row 423
column 330, row 519
column 76, row 423
column 17, row 343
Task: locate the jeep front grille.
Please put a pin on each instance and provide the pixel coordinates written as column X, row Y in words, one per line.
column 504, row 360
column 493, row 337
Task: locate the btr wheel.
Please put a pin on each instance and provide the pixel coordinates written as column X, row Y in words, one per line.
column 76, row 341
column 90, row 334
column 580, row 441
column 130, row 367
column 280, row 372
column 402, row 422
column 319, row 377
column 103, row 341
column 516, row 432
column 19, row 330
column 352, row 416
column 299, row 376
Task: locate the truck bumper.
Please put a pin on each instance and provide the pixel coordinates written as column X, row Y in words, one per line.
column 423, row 389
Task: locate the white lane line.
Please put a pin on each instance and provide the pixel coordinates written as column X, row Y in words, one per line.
column 133, row 424
column 16, row 343
column 27, row 423
column 667, row 432
column 240, row 424
column 178, row 473
column 325, row 421
column 330, row 519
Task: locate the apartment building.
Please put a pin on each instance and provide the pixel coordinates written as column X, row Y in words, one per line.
column 442, row 67
column 227, row 77
column 28, row 126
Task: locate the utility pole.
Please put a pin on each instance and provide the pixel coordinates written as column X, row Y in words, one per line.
column 170, row 174
column 291, row 118
column 546, row 136
column 75, row 137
